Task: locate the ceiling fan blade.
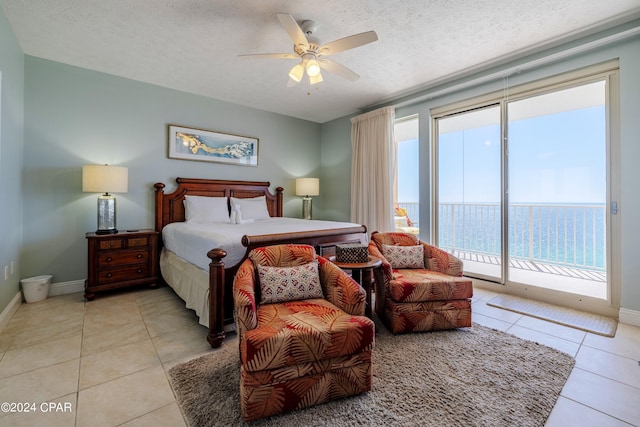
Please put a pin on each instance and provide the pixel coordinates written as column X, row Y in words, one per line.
column 273, row 55
column 349, row 42
column 293, row 29
column 337, row 69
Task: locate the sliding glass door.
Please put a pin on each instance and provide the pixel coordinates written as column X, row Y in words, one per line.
column 469, row 188
column 558, row 190
column 522, row 185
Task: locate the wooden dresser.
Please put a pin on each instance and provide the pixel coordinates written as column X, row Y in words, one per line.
column 128, row 258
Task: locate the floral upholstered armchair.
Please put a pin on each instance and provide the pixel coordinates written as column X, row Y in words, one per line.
column 302, row 333
column 419, row 286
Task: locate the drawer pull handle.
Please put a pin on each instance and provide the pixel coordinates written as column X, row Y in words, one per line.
column 139, row 256
column 109, row 275
column 139, row 270
column 109, row 259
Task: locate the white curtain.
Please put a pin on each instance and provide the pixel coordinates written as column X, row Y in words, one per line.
column 373, row 169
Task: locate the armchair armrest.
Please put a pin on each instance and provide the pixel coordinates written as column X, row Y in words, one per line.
column 442, row 261
column 244, row 298
column 340, row 289
column 387, row 270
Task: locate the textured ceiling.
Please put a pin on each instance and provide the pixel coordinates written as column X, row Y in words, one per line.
column 193, row 45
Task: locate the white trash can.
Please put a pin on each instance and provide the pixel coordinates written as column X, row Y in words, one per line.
column 36, row 288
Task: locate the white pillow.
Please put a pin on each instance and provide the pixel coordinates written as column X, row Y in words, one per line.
column 252, row 208
column 404, row 256
column 280, row 284
column 203, row 209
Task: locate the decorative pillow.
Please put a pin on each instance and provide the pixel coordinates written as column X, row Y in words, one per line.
column 206, row 209
column 280, row 284
column 404, row 256
column 252, row 208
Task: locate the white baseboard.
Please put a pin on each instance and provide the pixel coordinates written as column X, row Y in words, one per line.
column 62, row 288
column 10, row 310
column 630, row 317
column 55, row 289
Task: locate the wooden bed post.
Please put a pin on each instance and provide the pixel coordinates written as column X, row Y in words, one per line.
column 159, row 195
column 216, row 291
column 279, row 191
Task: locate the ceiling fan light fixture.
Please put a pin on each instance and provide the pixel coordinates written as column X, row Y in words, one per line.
column 313, row 68
column 307, row 48
column 296, row 72
column 315, row 79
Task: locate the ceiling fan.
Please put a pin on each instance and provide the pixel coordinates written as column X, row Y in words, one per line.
column 313, row 56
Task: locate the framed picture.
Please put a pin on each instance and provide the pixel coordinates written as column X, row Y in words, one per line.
column 198, row 144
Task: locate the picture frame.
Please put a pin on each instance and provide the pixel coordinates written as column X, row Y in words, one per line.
column 205, row 145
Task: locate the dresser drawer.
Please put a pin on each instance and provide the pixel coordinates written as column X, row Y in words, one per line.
column 126, row 273
column 120, row 243
column 110, row 244
column 137, row 242
column 106, row 259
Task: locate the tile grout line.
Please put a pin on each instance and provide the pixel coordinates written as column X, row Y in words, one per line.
column 595, row 409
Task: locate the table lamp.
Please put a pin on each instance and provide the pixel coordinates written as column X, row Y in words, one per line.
column 105, row 179
column 307, row 187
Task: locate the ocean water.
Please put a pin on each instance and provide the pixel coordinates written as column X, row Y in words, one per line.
column 572, row 234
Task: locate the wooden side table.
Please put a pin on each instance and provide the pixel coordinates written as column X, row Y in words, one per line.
column 362, row 272
column 128, row 258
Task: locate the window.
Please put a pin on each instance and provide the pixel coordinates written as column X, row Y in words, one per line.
column 406, row 191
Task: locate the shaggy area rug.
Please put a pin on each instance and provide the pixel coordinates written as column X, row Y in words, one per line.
column 467, row 377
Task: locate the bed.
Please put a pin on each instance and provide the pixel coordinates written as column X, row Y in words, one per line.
column 208, row 293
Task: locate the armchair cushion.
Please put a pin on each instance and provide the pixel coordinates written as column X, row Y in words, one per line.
column 404, row 256
column 279, row 284
column 296, row 332
column 417, row 285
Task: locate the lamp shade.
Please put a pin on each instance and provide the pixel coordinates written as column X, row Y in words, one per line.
column 313, row 68
column 105, row 179
column 307, row 187
column 296, row 72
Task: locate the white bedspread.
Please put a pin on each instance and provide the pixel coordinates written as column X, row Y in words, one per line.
column 191, row 241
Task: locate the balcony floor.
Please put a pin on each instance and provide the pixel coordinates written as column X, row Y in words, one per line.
column 592, row 283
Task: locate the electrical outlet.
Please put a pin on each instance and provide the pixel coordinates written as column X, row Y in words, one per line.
column 6, row 272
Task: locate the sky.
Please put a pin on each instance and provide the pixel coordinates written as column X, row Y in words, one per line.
column 554, row 158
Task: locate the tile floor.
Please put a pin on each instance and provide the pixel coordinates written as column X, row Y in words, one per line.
column 105, row 362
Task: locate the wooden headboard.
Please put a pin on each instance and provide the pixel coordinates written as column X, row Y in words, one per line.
column 170, row 207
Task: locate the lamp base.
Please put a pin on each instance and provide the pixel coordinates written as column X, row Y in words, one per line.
column 306, row 207
column 106, row 214
column 111, row 231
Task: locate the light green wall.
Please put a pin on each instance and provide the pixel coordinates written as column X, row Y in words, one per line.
column 74, row 117
column 336, row 140
column 336, row 170
column 11, row 125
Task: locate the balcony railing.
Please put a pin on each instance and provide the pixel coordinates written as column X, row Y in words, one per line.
column 570, row 235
